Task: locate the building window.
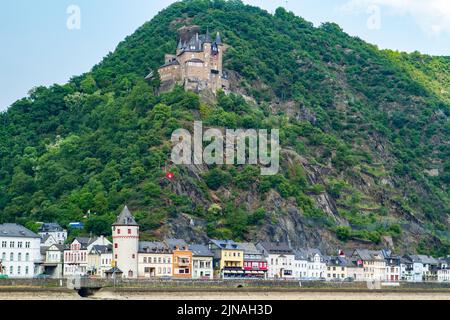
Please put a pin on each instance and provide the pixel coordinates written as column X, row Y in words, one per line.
column 26, row 270
column 3, row 244
column 11, row 244
column 19, row 244
column 27, row 245
column 116, row 245
column 118, row 231
column 11, row 256
column 19, row 257
column 133, row 256
column 11, row 270
column 129, row 231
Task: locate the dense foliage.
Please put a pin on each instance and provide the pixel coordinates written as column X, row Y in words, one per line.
column 375, row 121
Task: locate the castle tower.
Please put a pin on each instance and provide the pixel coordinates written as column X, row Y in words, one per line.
column 125, row 234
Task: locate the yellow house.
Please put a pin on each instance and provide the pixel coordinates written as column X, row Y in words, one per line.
column 228, row 258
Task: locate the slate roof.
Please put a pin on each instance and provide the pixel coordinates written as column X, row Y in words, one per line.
column 46, row 237
column 225, row 244
column 50, row 227
column 339, row 261
column 153, row 247
column 125, row 218
column 418, row 258
column 85, row 241
column 369, row 255
column 99, row 249
column 249, row 248
column 200, row 250
column 174, row 243
column 16, row 231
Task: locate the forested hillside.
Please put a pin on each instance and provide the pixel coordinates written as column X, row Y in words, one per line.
column 365, row 136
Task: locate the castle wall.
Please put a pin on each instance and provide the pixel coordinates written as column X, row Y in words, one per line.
column 195, row 76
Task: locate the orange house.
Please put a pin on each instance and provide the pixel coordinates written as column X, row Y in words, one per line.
column 182, row 258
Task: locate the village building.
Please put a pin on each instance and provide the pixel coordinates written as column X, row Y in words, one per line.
column 202, row 264
column 19, row 251
column 53, row 230
column 48, row 240
column 125, row 234
column 280, row 258
column 300, row 265
column 337, row 268
column 99, row 260
column 255, row 265
column 443, row 270
column 53, row 262
column 228, row 258
column 317, row 265
column 154, row 260
column 76, row 255
column 393, row 269
column 182, row 258
column 197, row 64
column 373, row 264
column 355, row 269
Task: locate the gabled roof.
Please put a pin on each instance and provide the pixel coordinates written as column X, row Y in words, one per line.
column 200, row 250
column 85, row 241
column 51, row 227
column 16, row 231
column 60, row 247
column 46, row 237
column 125, row 218
column 369, row 255
column 225, row 244
column 99, row 249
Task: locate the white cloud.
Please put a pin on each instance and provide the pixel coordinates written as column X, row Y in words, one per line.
column 433, row 16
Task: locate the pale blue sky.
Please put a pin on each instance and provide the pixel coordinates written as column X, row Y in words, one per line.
column 37, row 48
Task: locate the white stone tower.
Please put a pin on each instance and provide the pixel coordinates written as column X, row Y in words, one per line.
column 125, row 234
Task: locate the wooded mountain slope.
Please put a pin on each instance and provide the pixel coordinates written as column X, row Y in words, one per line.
column 365, row 136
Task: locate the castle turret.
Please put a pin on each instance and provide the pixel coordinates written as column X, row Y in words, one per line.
column 219, row 39
column 125, row 234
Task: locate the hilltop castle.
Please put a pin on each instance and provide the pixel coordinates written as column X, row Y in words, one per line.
column 197, row 64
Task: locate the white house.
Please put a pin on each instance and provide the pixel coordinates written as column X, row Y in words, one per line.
column 19, row 251
column 202, row 262
column 300, row 265
column 443, row 271
column 155, row 260
column 280, row 258
column 54, row 230
column 125, row 234
column 317, row 265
